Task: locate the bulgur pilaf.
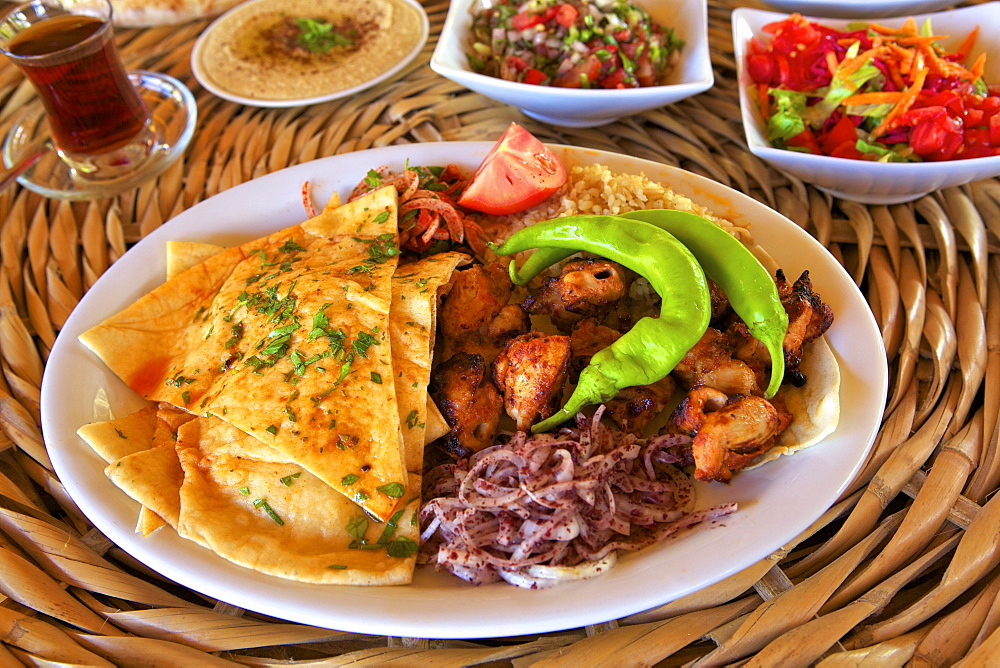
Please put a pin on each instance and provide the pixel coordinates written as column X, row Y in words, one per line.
column 594, row 189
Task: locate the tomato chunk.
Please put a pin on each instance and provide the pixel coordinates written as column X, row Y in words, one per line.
column 518, row 173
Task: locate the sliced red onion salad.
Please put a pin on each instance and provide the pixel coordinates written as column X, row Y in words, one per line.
column 548, row 508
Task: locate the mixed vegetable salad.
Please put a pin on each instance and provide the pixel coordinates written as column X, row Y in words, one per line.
column 572, row 43
column 872, row 92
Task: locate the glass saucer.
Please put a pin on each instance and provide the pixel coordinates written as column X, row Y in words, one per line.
column 172, row 111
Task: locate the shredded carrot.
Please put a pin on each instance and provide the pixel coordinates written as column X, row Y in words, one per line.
column 831, row 62
column 904, row 58
column 934, row 64
column 904, row 104
column 852, row 65
column 917, row 40
column 881, row 97
column 966, row 48
column 909, row 27
column 879, row 28
column 892, row 69
column 976, row 71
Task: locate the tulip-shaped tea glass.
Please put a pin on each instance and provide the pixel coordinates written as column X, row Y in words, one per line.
column 95, row 128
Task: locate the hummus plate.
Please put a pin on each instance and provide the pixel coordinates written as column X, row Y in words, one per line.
column 776, row 502
column 285, row 53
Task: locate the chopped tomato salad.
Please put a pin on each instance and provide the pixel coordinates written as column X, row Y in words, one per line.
column 873, row 93
column 572, row 43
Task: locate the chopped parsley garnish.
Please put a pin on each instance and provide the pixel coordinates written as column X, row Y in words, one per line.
column 357, row 527
column 179, row 380
column 349, row 479
column 266, row 507
column 319, row 36
column 394, row 490
column 402, row 547
column 390, row 527
column 290, row 247
column 383, row 248
column 363, row 343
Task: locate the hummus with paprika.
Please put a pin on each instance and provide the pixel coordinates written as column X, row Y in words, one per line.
column 289, row 50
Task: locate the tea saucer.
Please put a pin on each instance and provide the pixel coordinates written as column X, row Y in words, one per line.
column 172, row 111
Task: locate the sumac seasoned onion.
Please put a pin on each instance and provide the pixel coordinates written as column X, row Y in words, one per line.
column 543, row 509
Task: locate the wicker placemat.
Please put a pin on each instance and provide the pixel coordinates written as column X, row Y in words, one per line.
column 904, row 568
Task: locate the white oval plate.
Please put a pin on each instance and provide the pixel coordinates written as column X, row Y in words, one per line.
column 204, row 75
column 777, row 501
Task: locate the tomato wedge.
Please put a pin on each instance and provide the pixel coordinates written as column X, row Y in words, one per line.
column 517, row 173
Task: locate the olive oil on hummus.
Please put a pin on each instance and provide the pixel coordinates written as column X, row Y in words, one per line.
column 299, row 49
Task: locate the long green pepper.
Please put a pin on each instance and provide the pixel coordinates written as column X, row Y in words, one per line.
column 653, row 347
column 732, row 266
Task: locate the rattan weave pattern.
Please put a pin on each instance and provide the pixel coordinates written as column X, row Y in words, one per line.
column 904, row 569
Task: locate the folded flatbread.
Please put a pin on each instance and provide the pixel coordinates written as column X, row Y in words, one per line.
column 253, row 506
column 225, row 490
column 285, row 338
column 416, row 289
column 139, row 450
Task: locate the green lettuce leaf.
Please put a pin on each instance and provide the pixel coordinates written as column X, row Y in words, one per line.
column 843, row 86
column 786, row 121
column 884, row 153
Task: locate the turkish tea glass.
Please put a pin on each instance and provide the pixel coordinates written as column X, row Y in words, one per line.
column 66, row 49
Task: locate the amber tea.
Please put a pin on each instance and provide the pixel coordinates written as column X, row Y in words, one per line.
column 73, row 63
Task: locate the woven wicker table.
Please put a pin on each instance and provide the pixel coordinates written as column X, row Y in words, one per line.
column 904, row 568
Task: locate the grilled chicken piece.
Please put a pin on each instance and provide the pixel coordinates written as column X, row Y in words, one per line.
column 583, row 288
column 475, row 316
column 634, row 408
column 470, row 402
column 531, row 372
column 808, row 317
column 710, row 362
column 728, row 432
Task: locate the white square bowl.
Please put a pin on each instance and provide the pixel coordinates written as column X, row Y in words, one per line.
column 575, row 107
column 861, row 180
